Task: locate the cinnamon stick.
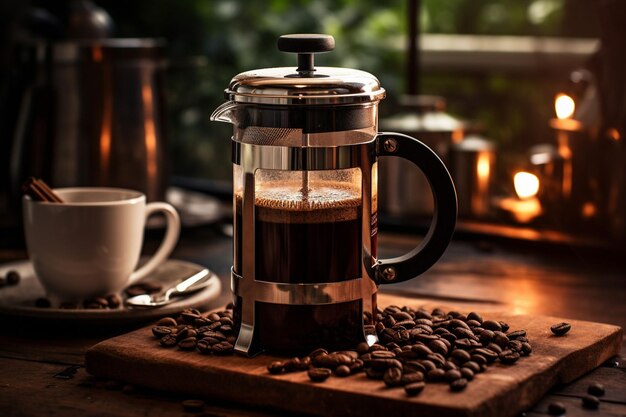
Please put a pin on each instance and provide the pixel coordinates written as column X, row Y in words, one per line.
column 39, row 191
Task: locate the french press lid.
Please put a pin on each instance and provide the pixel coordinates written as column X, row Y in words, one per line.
column 306, row 84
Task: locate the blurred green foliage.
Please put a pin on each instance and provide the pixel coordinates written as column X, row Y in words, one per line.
column 211, row 41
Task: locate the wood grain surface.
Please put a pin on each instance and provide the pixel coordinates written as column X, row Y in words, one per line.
column 503, row 390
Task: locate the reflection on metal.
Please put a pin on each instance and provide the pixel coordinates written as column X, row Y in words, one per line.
column 149, row 132
column 301, row 294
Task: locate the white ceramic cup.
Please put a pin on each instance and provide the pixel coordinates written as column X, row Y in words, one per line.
column 90, row 244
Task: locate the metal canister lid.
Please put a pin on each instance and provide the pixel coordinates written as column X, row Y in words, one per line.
column 305, row 84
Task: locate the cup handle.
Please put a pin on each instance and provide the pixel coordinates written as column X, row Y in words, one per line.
column 169, row 241
column 436, row 241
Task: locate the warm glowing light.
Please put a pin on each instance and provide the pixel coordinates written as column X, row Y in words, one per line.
column 483, row 166
column 564, row 106
column 614, row 134
column 526, row 184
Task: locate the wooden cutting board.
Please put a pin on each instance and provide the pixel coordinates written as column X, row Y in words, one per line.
column 137, row 358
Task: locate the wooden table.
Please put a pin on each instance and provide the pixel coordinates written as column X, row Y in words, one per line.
column 565, row 283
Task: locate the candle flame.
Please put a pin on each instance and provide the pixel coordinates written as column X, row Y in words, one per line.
column 564, row 106
column 526, row 184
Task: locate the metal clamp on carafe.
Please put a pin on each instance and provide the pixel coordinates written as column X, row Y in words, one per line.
column 305, row 147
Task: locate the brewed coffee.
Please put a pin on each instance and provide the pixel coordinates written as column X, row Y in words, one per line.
column 311, row 237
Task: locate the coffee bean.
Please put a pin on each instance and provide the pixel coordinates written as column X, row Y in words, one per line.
column 12, row 277
column 591, row 402
column 333, row 360
column 500, row 339
column 462, row 333
column 473, row 366
column 193, row 406
column 486, row 336
column 458, row 384
column 168, row 340
column 466, row 343
column 516, row 334
column 515, row 345
column 393, row 377
column 479, row 359
column 438, row 312
column 188, row 343
column 342, row 370
column 460, row 355
column 473, row 324
column 492, row 325
column 423, row 314
column 204, row 346
column 428, row 365
column 424, row 322
column 414, row 388
column 508, row 356
column 384, row 364
column 297, row 364
column 356, row 366
column 504, row 326
column 372, row 373
column 190, row 316
column 383, row 354
column 437, row 346
column 411, row 377
column 160, row 331
column 401, row 315
column 436, row 375
column 488, row 354
column 42, row 303
column 556, row 408
column 494, row 348
column 596, row 389
column 413, row 366
column 467, row 373
column 275, row 367
column 375, row 347
column 222, row 348
column 167, row 321
column 526, row 349
column 362, row 348
column 560, row 329
column 452, row 375
column 211, row 333
column 114, row 300
column 421, row 350
column 455, row 323
column 475, row 316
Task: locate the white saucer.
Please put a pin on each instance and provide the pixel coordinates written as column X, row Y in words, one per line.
column 19, row 300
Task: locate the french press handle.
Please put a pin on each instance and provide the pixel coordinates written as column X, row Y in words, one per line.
column 421, row 258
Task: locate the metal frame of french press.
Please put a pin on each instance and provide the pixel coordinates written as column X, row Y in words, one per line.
column 250, row 290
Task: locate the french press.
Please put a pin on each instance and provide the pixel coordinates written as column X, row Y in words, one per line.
column 305, row 147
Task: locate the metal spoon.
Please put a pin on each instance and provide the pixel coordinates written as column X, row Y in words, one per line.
column 194, row 283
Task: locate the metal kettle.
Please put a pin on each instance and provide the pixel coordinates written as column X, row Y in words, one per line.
column 92, row 115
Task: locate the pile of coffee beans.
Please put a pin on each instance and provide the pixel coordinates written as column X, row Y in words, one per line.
column 208, row 334
column 415, row 346
column 419, row 346
column 10, row 278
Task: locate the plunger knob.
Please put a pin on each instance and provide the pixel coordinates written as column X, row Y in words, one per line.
column 306, row 45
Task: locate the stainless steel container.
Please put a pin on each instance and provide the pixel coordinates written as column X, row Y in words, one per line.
column 404, row 190
column 93, row 115
column 472, row 164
